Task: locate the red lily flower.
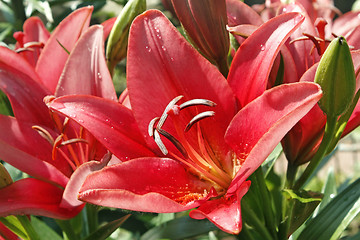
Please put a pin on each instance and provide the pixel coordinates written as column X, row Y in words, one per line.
column 300, row 53
column 171, row 88
column 57, row 152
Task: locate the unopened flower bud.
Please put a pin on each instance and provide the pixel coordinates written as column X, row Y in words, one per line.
column 205, row 24
column 336, row 76
column 118, row 39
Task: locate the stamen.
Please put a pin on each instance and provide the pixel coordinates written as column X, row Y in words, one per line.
column 174, row 141
column 159, row 142
column 195, row 102
column 168, row 107
column 197, row 118
column 57, row 142
column 44, row 133
column 151, row 126
column 71, row 141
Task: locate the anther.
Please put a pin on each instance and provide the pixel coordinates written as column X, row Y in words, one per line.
column 151, row 126
column 174, row 141
column 159, row 142
column 44, row 133
column 71, row 141
column 197, row 118
column 168, row 107
column 195, row 102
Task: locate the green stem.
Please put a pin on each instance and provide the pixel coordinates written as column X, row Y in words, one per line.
column 92, row 217
column 254, row 221
column 25, row 222
column 287, row 216
column 290, row 175
column 67, row 228
column 319, row 155
column 266, row 202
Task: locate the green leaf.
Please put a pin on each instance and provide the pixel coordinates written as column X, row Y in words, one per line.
column 5, row 107
column 14, row 225
column 106, row 230
column 43, row 230
column 305, row 204
column 304, row 196
column 329, row 190
column 335, row 216
column 270, row 160
column 179, row 228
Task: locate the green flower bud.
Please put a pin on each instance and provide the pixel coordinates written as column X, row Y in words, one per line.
column 5, row 178
column 336, row 76
column 118, row 39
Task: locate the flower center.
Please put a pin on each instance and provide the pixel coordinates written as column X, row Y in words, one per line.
column 199, row 157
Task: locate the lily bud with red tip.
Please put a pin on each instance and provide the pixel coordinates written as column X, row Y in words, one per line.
column 205, row 23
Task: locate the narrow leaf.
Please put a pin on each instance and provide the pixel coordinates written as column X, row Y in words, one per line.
column 14, row 225
column 179, row 228
column 106, row 230
column 335, row 216
column 43, row 230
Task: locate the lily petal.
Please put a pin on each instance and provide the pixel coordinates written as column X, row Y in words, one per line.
column 34, row 197
column 346, row 23
column 172, row 67
column 145, row 184
column 252, row 63
column 108, row 24
column 76, row 180
column 253, row 136
column 25, row 149
column 112, row 124
column 85, row 71
column 224, row 212
column 53, row 57
column 33, row 31
column 240, row 13
column 22, row 86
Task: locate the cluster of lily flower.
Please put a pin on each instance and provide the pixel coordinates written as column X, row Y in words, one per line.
column 190, row 128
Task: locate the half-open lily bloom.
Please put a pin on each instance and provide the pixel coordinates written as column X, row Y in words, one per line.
column 54, row 150
column 300, row 53
column 301, row 143
column 183, row 143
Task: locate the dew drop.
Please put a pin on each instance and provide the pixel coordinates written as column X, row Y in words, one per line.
column 262, row 47
column 163, row 48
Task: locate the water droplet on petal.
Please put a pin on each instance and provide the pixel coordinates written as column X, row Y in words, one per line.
column 262, row 47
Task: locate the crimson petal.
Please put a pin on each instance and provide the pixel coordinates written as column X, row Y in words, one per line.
column 162, row 65
column 22, row 86
column 85, row 71
column 76, row 180
column 34, row 197
column 253, row 136
column 145, row 184
column 112, row 124
column 224, row 212
column 22, row 147
column 53, row 57
column 252, row 63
